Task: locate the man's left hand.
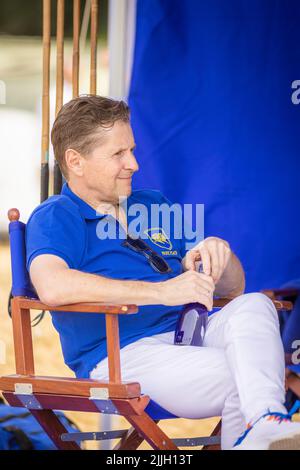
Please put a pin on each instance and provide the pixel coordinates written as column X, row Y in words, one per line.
column 214, row 253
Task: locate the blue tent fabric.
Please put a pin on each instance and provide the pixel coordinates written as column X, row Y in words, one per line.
column 215, row 123
column 21, row 419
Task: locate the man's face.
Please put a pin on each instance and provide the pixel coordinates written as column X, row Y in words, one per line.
column 108, row 169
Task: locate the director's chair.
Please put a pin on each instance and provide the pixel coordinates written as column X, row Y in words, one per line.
column 43, row 394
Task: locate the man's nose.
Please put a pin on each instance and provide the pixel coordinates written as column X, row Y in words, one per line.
column 131, row 163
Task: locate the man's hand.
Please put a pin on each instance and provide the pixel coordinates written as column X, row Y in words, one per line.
column 186, row 288
column 214, row 253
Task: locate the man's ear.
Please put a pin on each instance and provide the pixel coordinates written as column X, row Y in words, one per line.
column 74, row 162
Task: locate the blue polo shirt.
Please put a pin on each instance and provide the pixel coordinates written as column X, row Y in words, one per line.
column 66, row 226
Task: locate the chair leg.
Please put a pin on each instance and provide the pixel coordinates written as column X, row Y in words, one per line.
column 131, row 440
column 215, row 432
column 54, row 428
column 151, row 432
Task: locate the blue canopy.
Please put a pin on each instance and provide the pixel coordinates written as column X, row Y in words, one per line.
column 215, row 123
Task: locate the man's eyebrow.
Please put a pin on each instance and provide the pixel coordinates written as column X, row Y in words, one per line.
column 121, row 149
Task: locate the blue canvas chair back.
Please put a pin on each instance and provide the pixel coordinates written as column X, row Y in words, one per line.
column 21, row 286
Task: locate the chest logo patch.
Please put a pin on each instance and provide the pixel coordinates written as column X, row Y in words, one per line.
column 159, row 238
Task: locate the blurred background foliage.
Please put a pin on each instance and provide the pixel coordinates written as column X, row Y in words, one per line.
column 24, row 17
column 21, row 50
column 21, row 76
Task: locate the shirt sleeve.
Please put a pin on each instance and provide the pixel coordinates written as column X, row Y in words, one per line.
column 57, row 230
column 190, row 236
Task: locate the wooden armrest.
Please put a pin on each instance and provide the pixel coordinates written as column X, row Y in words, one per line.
column 70, row 386
column 278, row 304
column 93, row 307
column 88, row 307
column 23, row 346
column 284, row 292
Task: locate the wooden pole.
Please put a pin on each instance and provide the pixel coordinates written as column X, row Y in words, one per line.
column 60, row 55
column 94, row 30
column 45, row 100
column 59, row 80
column 76, row 48
column 85, row 24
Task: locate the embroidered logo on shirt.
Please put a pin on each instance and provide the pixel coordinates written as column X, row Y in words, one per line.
column 159, row 238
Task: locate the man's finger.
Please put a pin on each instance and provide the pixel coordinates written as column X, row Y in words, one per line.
column 206, row 261
column 206, row 284
column 214, row 256
column 191, row 257
column 221, row 252
column 206, row 300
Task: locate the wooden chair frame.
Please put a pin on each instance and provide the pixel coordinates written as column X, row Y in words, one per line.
column 43, row 394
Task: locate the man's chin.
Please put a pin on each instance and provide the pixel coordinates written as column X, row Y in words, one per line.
column 125, row 189
column 125, row 193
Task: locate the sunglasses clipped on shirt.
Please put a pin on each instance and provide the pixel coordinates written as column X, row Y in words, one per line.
column 138, row 245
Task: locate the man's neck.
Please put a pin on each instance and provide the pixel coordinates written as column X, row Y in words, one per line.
column 100, row 206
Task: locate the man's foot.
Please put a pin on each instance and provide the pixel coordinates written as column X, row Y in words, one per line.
column 272, row 431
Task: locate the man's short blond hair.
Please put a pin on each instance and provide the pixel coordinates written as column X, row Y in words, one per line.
column 77, row 122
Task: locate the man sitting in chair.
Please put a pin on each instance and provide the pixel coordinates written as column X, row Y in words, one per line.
column 239, row 372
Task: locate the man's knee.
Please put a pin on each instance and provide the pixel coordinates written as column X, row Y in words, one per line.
column 257, row 297
column 254, row 302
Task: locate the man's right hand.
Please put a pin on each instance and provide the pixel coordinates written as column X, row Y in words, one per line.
column 188, row 287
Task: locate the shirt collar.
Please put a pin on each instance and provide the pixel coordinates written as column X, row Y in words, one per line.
column 86, row 210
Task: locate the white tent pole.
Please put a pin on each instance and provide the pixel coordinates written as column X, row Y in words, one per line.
column 121, row 34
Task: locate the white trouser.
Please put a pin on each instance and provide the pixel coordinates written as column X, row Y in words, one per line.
column 237, row 374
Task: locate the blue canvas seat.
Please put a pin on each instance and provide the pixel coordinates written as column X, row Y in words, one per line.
column 295, row 368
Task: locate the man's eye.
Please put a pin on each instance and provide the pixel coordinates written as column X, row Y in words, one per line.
column 119, row 154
